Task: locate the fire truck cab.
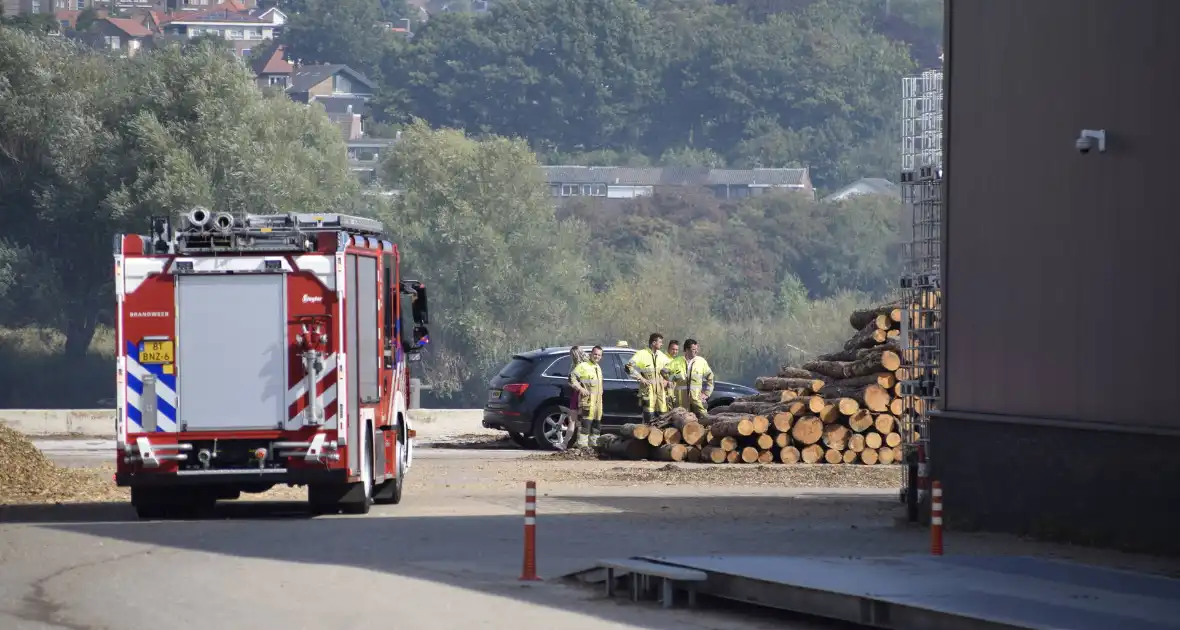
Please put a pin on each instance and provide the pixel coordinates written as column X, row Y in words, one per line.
column 259, row 350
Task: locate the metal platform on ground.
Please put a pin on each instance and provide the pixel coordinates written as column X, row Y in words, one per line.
column 945, row 592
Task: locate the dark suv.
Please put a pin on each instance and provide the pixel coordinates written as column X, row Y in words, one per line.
column 524, row 399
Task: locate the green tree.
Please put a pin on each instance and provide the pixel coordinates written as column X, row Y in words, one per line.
column 93, row 146
column 348, row 32
column 86, row 20
column 474, row 218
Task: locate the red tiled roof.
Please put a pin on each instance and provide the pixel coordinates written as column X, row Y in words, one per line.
column 210, row 15
column 131, row 27
column 276, row 63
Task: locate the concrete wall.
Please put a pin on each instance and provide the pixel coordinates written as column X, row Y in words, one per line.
column 100, row 423
column 1060, row 271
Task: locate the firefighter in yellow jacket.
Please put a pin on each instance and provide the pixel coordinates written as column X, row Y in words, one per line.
column 586, row 379
column 647, row 367
column 694, row 384
column 675, row 366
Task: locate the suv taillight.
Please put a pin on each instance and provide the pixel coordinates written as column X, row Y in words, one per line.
column 516, row 388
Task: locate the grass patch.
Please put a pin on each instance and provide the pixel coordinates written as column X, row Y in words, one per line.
column 37, row 375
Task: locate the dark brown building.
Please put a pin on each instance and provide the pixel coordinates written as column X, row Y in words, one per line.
column 1062, row 271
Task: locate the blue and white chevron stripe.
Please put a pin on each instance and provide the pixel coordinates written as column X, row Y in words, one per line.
column 165, row 393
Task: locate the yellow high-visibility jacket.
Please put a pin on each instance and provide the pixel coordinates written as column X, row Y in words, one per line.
column 676, row 368
column 588, row 374
column 694, row 385
column 650, row 365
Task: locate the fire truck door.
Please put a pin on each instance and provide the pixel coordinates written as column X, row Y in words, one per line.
column 231, row 352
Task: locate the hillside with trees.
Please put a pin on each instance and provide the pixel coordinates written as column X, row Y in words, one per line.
column 746, row 83
column 91, row 145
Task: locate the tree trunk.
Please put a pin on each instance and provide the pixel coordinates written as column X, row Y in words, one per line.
column 850, row 457
column 782, row 440
column 862, row 371
column 789, row 455
column 893, row 440
column 788, row 371
column 670, row 453
column 733, row 426
column 867, row 337
column 692, row 433
column 620, row 448
column 749, row 455
column 885, row 455
column 885, row 423
column 781, row 421
column 775, row 383
column 887, row 380
column 79, row 333
column 672, row 436
column 655, row 438
column 764, row 442
column 713, row 454
column 856, row 443
column 833, row 456
column 726, row 444
column 835, row 436
column 861, row 421
column 829, row 414
column 761, row 423
column 873, row 440
column 732, row 457
column 807, row 430
column 871, row 397
column 766, row 457
column 869, row 456
column 897, row 406
column 637, row 431
column 861, row 318
column 812, row 454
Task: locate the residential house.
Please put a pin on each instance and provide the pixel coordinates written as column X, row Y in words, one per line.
column 364, row 155
column 866, row 186
column 122, row 36
column 209, row 5
column 270, row 66
column 337, row 87
column 242, row 30
column 613, row 182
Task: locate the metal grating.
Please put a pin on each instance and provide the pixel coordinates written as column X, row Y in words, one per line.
column 921, row 120
column 922, row 191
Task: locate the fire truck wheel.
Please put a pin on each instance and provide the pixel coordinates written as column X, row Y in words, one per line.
column 362, row 492
column 390, row 492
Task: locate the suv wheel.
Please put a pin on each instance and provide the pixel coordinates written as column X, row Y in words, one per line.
column 553, row 429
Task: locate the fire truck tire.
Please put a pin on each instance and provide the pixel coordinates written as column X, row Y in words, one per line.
column 390, row 492
column 362, row 491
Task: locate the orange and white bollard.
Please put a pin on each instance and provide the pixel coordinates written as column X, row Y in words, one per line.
column 935, row 518
column 529, row 572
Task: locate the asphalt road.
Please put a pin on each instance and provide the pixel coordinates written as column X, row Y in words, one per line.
column 449, row 557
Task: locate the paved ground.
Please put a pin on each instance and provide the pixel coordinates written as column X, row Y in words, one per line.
column 449, row 556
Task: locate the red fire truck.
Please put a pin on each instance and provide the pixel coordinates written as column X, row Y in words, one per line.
column 259, row 350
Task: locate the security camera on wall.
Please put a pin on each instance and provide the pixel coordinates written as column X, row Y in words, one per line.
column 1091, row 139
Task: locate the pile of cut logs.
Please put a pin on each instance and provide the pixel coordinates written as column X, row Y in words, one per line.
column 840, row 408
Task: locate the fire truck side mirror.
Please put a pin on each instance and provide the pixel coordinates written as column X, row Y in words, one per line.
column 421, row 316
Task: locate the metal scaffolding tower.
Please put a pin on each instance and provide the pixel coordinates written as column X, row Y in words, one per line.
column 921, row 120
column 921, row 283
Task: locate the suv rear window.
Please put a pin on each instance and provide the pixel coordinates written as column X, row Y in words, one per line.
column 516, row 368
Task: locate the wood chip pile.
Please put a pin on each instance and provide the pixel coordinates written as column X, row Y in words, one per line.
column 840, row 408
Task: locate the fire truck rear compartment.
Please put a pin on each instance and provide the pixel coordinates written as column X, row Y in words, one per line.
column 231, row 352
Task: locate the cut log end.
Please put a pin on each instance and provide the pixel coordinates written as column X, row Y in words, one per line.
column 713, row 454
column 860, row 421
column 886, row 455
column 749, row 455
column 885, row 423
column 833, row 456
column 869, row 456
column 789, row 455
column 812, row 454
column 766, row 457
column 807, row 430
column 850, row 457
column 856, row 443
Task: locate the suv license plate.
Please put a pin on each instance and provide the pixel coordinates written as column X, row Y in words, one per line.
column 496, row 393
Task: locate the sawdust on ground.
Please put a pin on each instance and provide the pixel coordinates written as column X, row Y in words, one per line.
column 27, row 476
column 564, row 467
